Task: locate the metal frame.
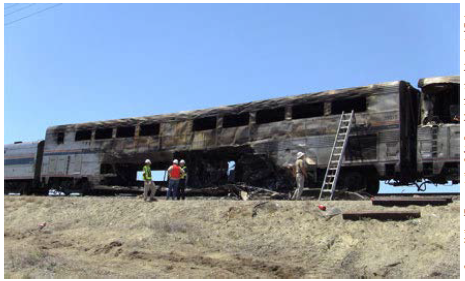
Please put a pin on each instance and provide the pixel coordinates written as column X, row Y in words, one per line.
column 333, row 177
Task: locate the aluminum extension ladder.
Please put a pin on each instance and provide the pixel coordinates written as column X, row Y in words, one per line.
column 337, row 154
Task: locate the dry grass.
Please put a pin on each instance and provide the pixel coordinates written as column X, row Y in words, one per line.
column 90, row 237
column 27, row 259
column 166, row 226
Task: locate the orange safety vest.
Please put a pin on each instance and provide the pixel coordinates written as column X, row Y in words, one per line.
column 175, row 172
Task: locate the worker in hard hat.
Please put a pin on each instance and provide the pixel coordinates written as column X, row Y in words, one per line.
column 300, row 175
column 149, row 186
column 183, row 180
column 174, row 175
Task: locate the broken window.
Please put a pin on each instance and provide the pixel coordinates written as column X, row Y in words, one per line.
column 361, row 148
column 106, row 169
column 358, row 104
column 60, row 137
column 442, row 103
column 236, row 120
column 205, row 123
column 270, row 115
column 83, row 135
column 125, row 132
column 149, row 130
column 308, row 110
column 231, row 171
column 105, row 133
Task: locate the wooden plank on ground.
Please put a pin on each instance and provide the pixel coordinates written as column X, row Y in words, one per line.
column 407, row 201
column 381, row 215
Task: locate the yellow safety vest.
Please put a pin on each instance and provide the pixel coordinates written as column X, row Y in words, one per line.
column 183, row 175
column 147, row 173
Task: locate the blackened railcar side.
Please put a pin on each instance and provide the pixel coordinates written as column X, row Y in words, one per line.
column 439, row 130
column 380, row 144
column 261, row 138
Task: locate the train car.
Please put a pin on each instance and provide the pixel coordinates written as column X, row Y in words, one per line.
column 439, row 129
column 23, row 163
column 261, row 138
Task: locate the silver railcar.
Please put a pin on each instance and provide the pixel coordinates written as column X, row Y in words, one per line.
column 22, row 167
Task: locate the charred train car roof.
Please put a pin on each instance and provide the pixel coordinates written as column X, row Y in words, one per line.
column 237, row 108
column 438, row 80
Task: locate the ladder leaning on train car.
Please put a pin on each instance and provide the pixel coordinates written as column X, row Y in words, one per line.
column 337, row 154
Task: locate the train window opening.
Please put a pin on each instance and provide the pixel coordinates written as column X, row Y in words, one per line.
column 445, row 104
column 390, row 169
column 106, row 169
column 83, row 135
column 149, row 130
column 121, row 174
column 106, row 133
column 205, row 123
column 236, row 120
column 361, row 148
column 60, row 137
column 125, row 132
column 358, row 104
column 270, row 115
column 309, row 110
column 231, row 171
column 427, row 168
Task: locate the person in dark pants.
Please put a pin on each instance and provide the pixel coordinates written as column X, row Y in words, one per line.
column 183, row 181
column 174, row 174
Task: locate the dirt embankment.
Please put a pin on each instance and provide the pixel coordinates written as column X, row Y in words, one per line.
column 87, row 237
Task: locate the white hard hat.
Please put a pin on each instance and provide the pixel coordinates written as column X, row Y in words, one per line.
column 300, row 154
column 182, row 161
column 147, row 161
column 175, row 161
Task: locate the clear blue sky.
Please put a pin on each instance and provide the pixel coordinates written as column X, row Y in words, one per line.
column 86, row 62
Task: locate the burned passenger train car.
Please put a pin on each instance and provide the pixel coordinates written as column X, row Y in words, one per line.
column 262, row 138
column 439, row 129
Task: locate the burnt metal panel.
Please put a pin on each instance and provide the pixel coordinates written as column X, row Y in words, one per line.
column 275, row 144
column 176, row 133
column 438, row 80
column 453, row 141
column 408, row 112
column 325, row 96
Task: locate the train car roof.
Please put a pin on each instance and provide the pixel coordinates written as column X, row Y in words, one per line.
column 233, row 109
column 22, row 144
column 438, row 80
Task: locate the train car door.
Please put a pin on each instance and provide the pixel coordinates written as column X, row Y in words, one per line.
column 77, row 161
column 61, row 165
column 52, row 165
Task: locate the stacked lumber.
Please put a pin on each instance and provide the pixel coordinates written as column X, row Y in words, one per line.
column 407, row 201
column 381, row 215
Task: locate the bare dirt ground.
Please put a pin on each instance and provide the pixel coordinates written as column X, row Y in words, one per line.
column 89, row 237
